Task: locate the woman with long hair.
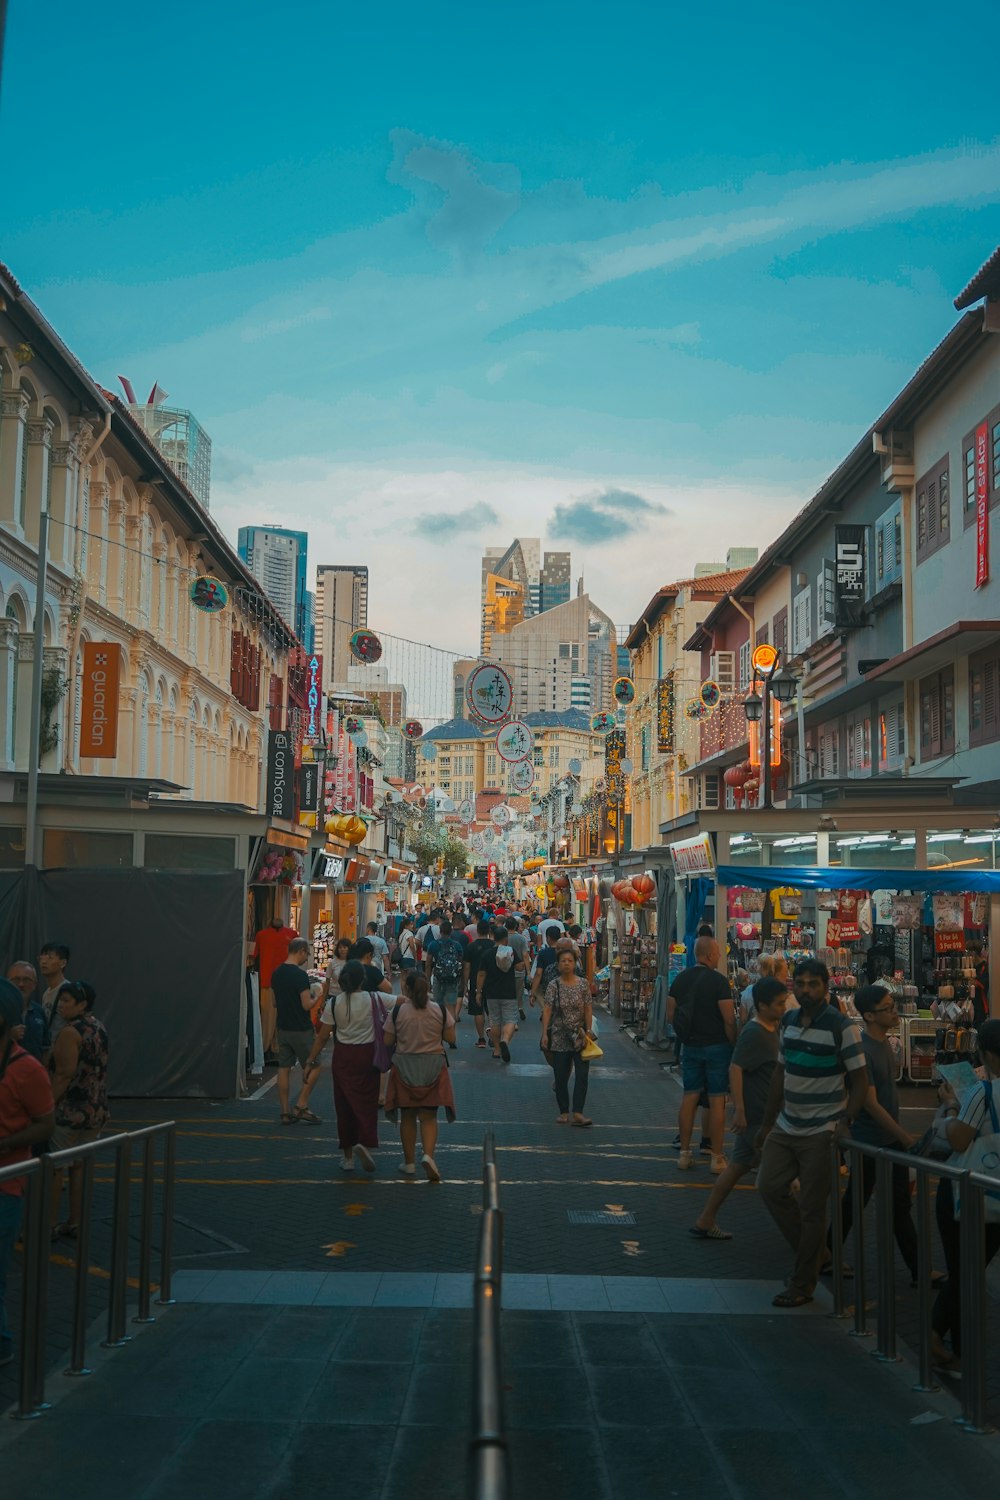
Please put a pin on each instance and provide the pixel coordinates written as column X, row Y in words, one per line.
column 567, row 1020
column 406, row 945
column 419, row 1081
column 350, row 1020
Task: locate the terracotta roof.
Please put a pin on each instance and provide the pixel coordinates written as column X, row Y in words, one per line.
column 985, row 283
column 712, row 584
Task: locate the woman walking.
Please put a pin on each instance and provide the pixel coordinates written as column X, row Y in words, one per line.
column 567, row 1019
column 406, row 944
column 419, row 1081
column 350, row 1019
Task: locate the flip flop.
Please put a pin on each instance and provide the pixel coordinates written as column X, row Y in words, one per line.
column 308, row 1116
column 289, row 1119
column 581, row 1124
column 715, row 1233
column 790, row 1299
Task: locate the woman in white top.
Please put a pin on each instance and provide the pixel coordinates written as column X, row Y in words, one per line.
column 407, row 945
column 350, row 1019
column 962, row 1126
column 770, row 966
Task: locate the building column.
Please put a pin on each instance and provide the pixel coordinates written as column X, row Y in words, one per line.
column 39, row 476
column 115, row 592
column 96, row 522
column 8, row 683
column 13, row 416
column 64, row 469
column 54, row 661
column 22, row 689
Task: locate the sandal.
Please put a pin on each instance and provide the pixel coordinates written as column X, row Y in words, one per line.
column 715, row 1233
column 790, row 1299
column 581, row 1122
column 307, row 1115
column 289, row 1119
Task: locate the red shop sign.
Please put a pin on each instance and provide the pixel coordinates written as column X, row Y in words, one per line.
column 949, row 942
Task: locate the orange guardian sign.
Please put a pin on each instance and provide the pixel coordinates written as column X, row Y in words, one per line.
column 99, row 707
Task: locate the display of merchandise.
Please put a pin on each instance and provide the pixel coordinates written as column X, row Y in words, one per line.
column 636, row 978
column 323, row 941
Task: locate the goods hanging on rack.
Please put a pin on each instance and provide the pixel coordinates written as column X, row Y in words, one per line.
column 636, row 978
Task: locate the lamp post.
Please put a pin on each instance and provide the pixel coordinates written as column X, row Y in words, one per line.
column 780, row 686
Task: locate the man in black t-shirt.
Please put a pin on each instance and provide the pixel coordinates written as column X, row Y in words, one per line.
column 496, row 984
column 363, row 952
column 700, row 1009
column 293, row 1000
column 474, row 955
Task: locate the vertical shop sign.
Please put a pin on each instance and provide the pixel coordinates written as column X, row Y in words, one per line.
column 308, row 777
column 314, row 697
column 99, row 701
column 614, row 754
column 280, row 765
column 491, row 877
column 850, row 574
column 982, row 506
column 665, row 715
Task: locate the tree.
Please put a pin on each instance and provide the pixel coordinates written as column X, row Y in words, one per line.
column 426, row 845
column 455, row 855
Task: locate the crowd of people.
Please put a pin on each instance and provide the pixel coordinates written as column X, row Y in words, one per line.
column 53, row 1091
column 796, row 1069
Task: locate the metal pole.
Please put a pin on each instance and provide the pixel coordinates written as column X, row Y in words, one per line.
column 45, row 1176
column 837, row 1232
column 924, row 1267
column 973, row 1282
column 860, row 1329
column 146, row 1231
column 78, row 1353
column 35, row 1247
column 765, row 749
column 885, row 1262
column 167, row 1231
column 119, row 1248
column 37, row 664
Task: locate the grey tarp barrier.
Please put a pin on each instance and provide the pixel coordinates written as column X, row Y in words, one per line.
column 657, row 1032
column 163, row 950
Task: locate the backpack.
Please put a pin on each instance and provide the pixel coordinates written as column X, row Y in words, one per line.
column 448, row 960
column 504, row 958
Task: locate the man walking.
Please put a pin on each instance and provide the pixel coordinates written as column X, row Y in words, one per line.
column 52, row 961
column 755, row 1058
column 700, row 1008
column 520, row 945
column 496, row 991
column 293, row 1000
column 878, row 1123
column 818, row 1087
column 474, row 955
column 270, row 949
column 380, row 948
column 443, row 964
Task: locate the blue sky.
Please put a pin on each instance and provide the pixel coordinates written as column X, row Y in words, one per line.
column 631, row 279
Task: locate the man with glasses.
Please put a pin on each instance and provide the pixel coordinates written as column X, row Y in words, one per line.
column 818, row 1087
column 878, row 1123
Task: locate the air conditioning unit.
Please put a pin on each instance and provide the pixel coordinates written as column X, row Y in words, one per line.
column 722, row 667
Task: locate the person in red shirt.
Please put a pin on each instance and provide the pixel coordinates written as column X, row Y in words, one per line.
column 270, row 950
column 27, row 1117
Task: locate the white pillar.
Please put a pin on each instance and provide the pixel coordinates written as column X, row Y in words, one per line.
column 13, row 416
column 39, row 459
column 8, row 683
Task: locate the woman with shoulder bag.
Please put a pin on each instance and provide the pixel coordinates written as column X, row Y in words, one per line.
column 419, row 1082
column 567, row 1020
column 350, row 1020
column 965, row 1129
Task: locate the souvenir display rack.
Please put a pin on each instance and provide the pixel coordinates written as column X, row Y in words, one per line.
column 636, row 978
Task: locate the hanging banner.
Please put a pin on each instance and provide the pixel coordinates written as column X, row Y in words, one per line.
column 849, row 586
column 614, row 777
column 665, row 716
column 308, row 781
column 314, row 698
column 982, row 506
column 280, row 765
column 489, row 694
column 99, row 705
column 522, row 776
column 515, row 742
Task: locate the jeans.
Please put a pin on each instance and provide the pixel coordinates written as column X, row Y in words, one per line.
column 10, row 1223
column 903, row 1226
column 706, row 1069
column 562, row 1062
column 947, row 1315
column 802, row 1219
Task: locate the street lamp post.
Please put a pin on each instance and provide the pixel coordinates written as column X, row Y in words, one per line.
column 774, row 685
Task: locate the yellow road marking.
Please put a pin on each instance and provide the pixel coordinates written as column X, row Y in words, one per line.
column 98, row 1271
column 338, row 1249
column 355, row 1210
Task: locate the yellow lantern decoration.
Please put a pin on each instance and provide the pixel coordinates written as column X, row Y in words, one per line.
column 355, row 831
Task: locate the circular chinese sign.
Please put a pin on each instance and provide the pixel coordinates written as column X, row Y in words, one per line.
column 695, row 709
column 365, row 646
column 489, row 693
column 208, row 594
column 501, row 815
column 353, row 727
column 624, row 690
column 602, row 723
column 515, row 741
column 429, row 750
column 413, row 729
column 710, row 693
column 522, row 776
column 466, row 811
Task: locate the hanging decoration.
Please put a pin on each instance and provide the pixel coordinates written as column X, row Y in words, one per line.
column 694, row 708
column 467, row 810
column 522, row 776
column 710, row 693
column 502, row 815
column 623, row 690
column 603, row 723
column 347, row 826
column 208, row 594
column 575, row 766
column 429, row 751
column 365, row 646
column 515, row 741
column 489, row 693
column 413, row 729
column 353, row 727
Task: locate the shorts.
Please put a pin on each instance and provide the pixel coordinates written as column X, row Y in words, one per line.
column 294, row 1047
column 472, row 1005
column 744, row 1152
column 445, row 991
column 502, row 1009
column 65, row 1137
column 706, row 1068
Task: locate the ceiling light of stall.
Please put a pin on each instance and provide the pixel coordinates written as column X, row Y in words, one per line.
column 941, row 838
column 982, row 838
column 849, row 841
column 906, row 843
column 784, row 843
column 739, row 838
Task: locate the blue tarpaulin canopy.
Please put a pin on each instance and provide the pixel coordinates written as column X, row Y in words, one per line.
column 844, row 878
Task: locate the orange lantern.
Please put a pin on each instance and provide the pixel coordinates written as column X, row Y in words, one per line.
column 355, row 830
column 644, row 886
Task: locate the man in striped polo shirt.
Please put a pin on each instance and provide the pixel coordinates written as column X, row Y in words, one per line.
column 818, row 1087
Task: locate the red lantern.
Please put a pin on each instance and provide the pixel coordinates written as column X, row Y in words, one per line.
column 623, row 892
column 751, row 788
column 644, row 886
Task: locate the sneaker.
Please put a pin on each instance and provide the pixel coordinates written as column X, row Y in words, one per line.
column 505, row 1052
column 481, row 1042
column 347, row 1163
column 676, row 1142
column 719, row 1164
column 407, row 1168
column 685, row 1161
column 430, row 1167
column 365, row 1158
column 705, row 1146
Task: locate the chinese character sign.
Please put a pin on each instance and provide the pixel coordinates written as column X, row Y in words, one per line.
column 665, row 716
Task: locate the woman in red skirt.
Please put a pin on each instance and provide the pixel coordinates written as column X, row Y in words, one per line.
column 349, row 1017
column 419, row 1080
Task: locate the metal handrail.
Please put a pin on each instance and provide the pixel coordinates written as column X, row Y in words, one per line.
column 40, row 1172
column 489, row 1460
column 973, row 1265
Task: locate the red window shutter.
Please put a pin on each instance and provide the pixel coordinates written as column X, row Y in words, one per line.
column 235, row 649
column 991, row 699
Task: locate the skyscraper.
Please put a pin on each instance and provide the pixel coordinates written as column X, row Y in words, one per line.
column 278, row 557
column 554, row 581
column 341, row 608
